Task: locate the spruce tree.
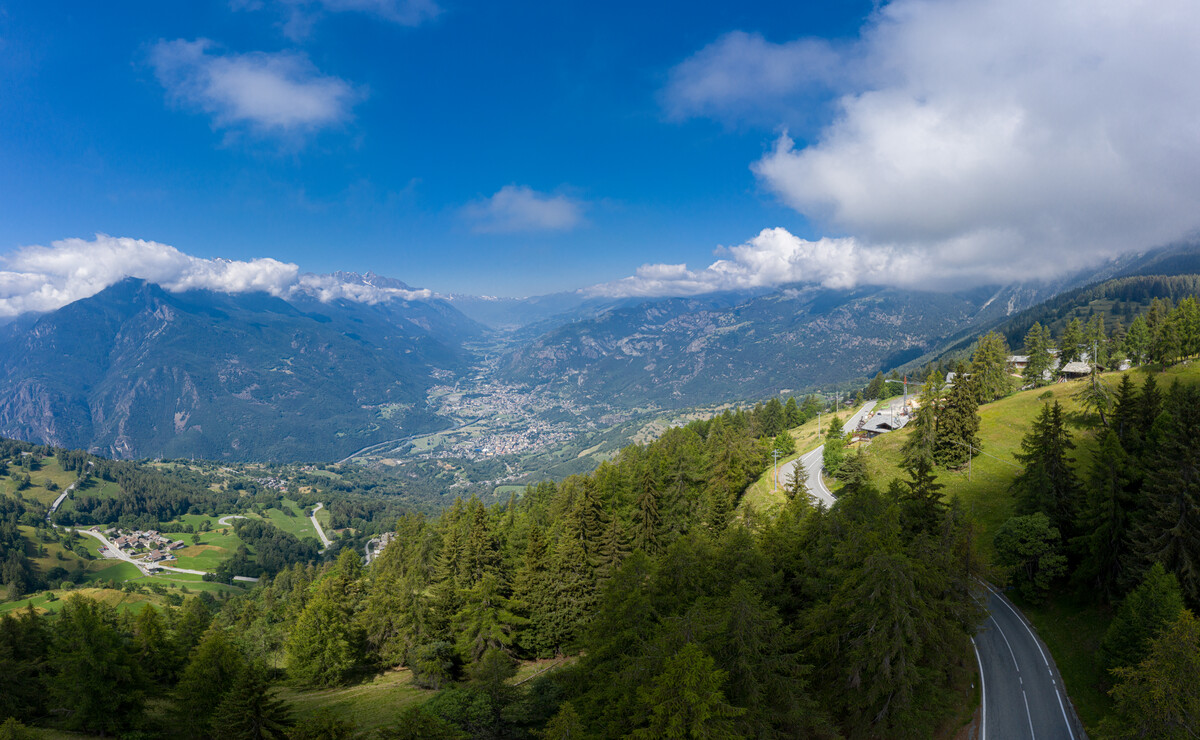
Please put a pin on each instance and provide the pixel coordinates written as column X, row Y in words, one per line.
column 1047, row 483
column 958, row 424
column 1037, row 348
column 1125, row 415
column 922, row 507
column 1106, row 520
column 1071, row 342
column 1169, row 530
column 249, row 712
column 533, row 589
column 791, row 413
column 647, row 521
column 97, row 684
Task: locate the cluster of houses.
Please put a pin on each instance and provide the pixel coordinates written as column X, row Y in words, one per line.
column 1080, row 368
column 278, row 484
column 158, row 546
column 376, row 545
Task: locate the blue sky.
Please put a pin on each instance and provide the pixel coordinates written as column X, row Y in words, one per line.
column 557, row 100
column 623, row 148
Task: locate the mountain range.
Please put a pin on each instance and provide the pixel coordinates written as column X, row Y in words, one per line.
column 139, row 371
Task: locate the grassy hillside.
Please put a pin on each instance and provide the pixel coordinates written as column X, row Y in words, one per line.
column 1071, row 629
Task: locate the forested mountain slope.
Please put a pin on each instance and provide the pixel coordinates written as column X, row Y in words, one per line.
column 136, row 371
column 686, row 351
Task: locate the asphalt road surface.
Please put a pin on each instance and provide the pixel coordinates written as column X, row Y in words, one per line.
column 812, row 462
column 1023, row 695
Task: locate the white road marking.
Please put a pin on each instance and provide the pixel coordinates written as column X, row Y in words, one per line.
column 982, row 693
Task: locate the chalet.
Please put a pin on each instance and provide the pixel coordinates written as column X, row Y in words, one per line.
column 1018, row 362
column 882, row 423
column 1076, row 370
column 175, row 545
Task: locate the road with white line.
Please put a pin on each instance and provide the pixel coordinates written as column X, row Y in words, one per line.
column 1023, row 693
column 1022, row 690
column 812, row 462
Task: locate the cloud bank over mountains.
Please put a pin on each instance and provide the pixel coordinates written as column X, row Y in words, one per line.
column 970, row 140
column 46, row 278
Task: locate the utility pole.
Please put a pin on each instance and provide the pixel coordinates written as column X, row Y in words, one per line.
column 775, row 479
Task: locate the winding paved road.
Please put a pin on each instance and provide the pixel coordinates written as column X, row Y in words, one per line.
column 320, row 532
column 812, row 462
column 1023, row 694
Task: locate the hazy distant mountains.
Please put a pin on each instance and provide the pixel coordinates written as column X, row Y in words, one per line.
column 688, row 351
column 137, row 371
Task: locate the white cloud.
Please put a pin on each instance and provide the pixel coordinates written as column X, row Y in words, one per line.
column 986, row 139
column 276, row 93
column 772, row 258
column 742, row 75
column 301, row 15
column 517, row 208
column 46, row 278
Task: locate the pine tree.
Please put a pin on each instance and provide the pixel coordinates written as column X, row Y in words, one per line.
column 1047, row 484
column 686, row 701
